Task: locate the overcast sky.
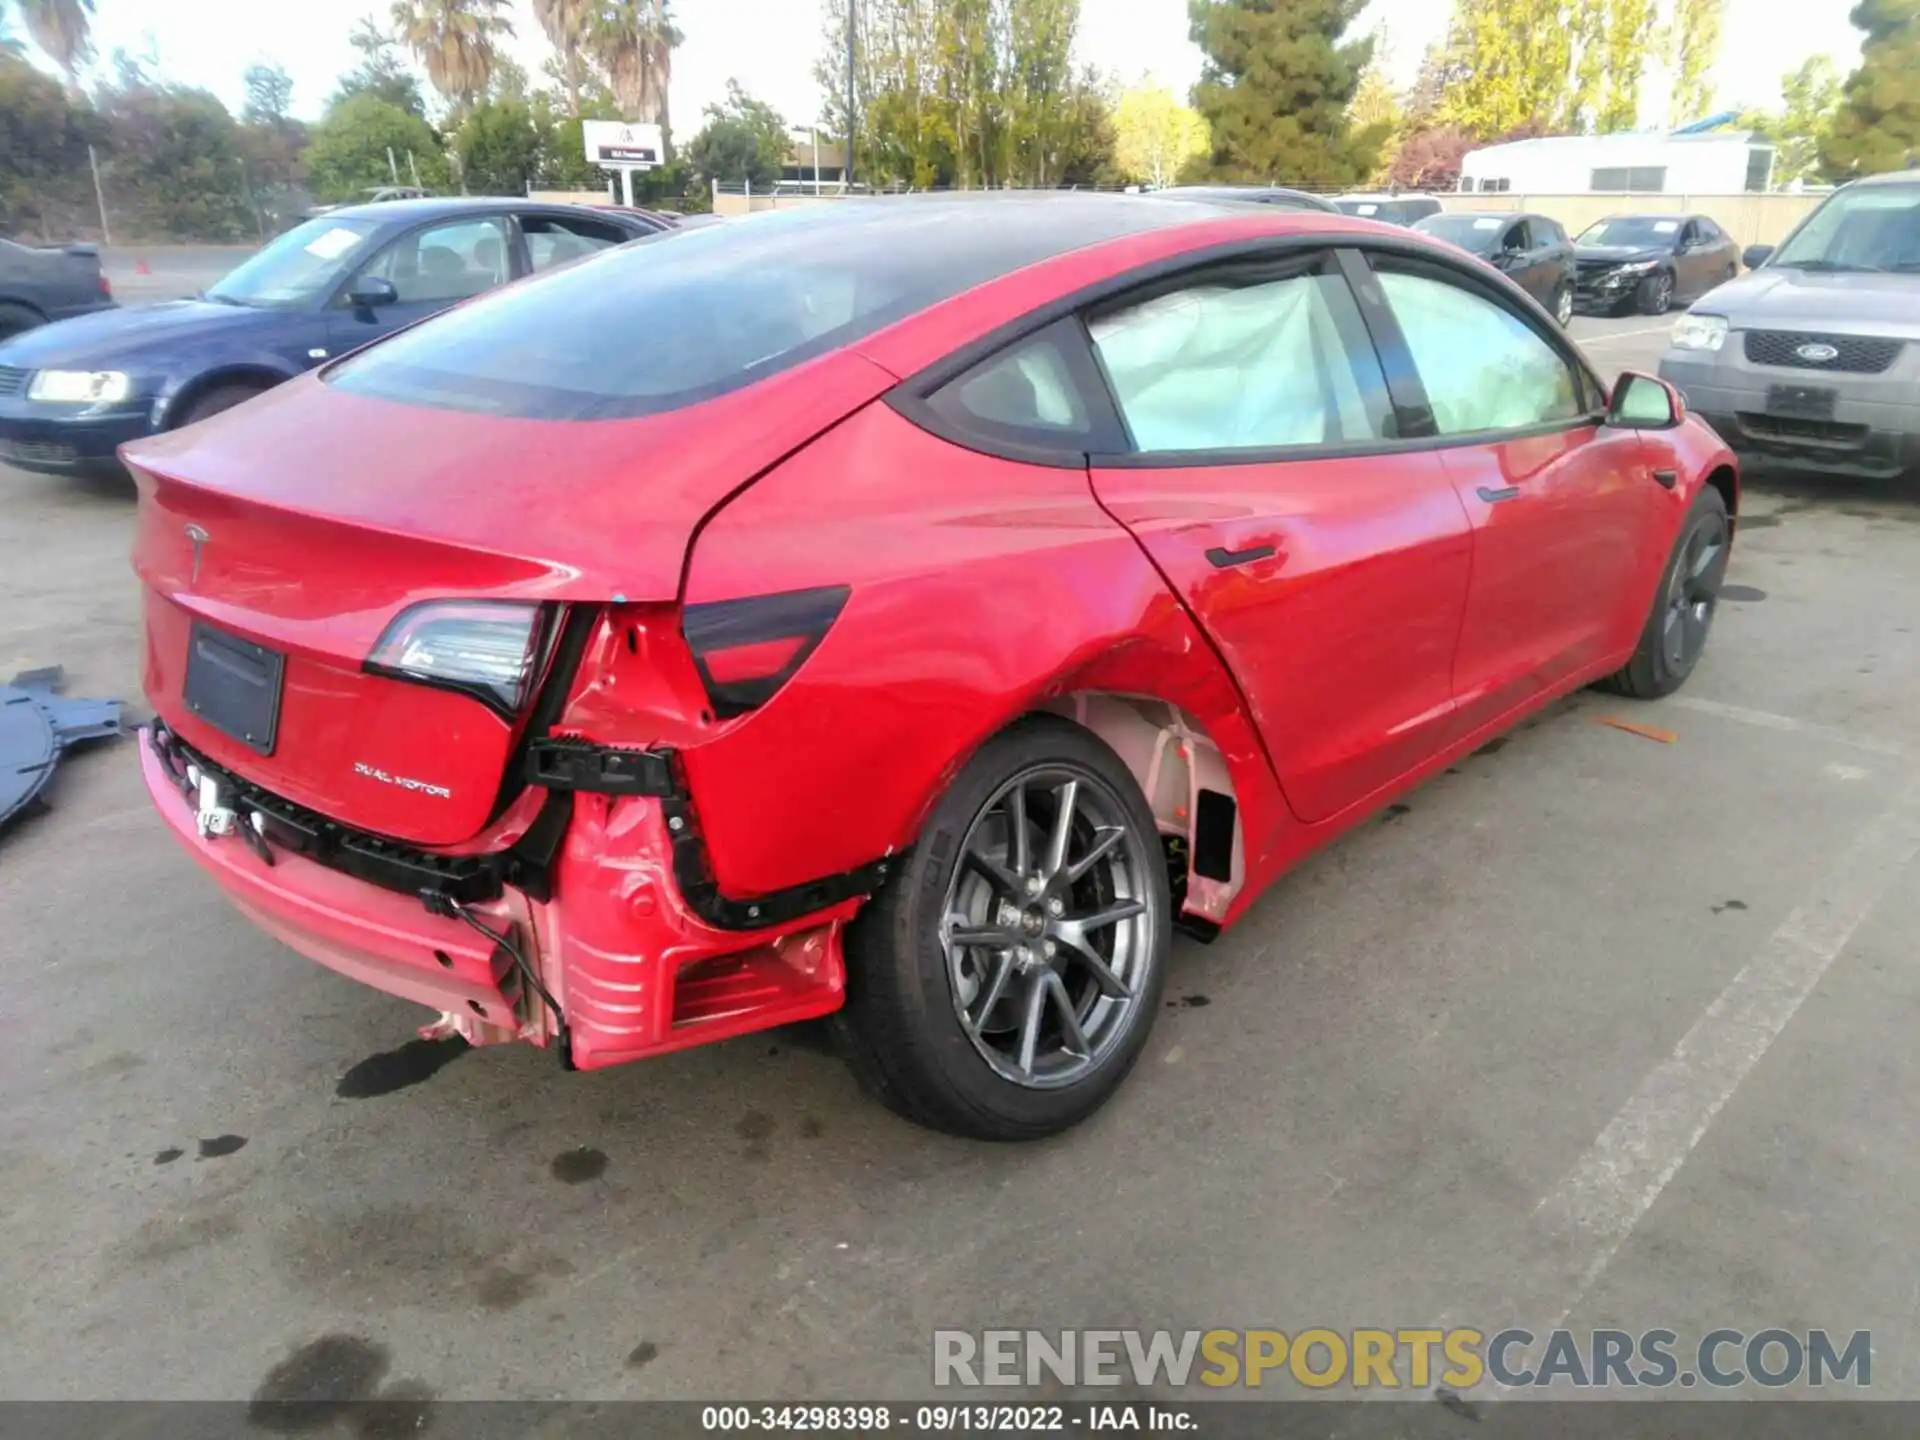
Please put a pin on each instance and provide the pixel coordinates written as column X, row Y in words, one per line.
column 770, row 45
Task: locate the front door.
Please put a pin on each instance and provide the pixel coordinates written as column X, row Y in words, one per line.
column 1562, row 507
column 1328, row 563
column 430, row 269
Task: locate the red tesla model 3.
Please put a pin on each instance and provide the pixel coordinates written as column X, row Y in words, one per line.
column 905, row 610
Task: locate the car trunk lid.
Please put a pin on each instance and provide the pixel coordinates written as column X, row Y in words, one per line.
column 301, row 524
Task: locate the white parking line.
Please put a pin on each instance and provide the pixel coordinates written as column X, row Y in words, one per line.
column 1767, row 720
column 1593, row 1210
column 1620, row 335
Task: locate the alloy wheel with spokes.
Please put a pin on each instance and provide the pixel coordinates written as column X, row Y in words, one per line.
column 1659, row 294
column 1693, row 591
column 1563, row 307
column 1006, row 979
column 1048, row 926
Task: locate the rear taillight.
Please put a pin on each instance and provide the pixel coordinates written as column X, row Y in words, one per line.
column 484, row 648
column 106, row 286
column 746, row 650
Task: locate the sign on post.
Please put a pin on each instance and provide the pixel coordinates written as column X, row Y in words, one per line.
column 616, row 145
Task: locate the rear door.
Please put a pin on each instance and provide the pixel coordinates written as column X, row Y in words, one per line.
column 1562, row 508
column 1326, row 558
column 431, row 268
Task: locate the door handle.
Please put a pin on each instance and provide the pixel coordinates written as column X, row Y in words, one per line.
column 1494, row 497
column 1222, row 558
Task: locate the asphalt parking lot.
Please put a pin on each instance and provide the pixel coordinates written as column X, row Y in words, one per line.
column 1596, row 1027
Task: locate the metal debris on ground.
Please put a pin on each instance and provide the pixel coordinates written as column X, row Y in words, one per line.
column 1645, row 732
column 37, row 727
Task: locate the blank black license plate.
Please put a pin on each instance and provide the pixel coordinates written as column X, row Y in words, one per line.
column 234, row 685
column 1800, row 402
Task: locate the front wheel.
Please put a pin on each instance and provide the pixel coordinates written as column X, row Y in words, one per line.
column 1676, row 631
column 1005, row 981
column 1563, row 306
column 1655, row 293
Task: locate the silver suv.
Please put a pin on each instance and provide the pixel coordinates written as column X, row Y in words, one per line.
column 1814, row 357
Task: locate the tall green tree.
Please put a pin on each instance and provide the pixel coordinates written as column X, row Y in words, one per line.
column 633, row 41
column 1516, row 58
column 1694, row 45
column 1629, row 34
column 381, row 72
column 498, row 148
column 269, row 95
column 62, row 30
column 457, row 41
column 44, row 132
column 1878, row 127
column 1278, row 78
column 176, row 161
column 1037, row 83
column 1157, row 136
column 744, row 142
column 348, row 153
column 568, row 24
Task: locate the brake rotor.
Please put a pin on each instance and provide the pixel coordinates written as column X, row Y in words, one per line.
column 37, row 727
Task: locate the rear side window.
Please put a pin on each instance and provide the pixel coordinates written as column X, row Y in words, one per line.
column 1219, row 366
column 1027, row 394
column 1483, row 367
column 556, row 240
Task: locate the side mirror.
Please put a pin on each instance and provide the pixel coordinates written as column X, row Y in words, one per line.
column 370, row 292
column 1754, row 256
column 1640, row 402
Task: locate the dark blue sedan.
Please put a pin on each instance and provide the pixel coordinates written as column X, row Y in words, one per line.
column 73, row 391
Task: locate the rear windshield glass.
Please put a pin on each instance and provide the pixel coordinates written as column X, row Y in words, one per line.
column 687, row 315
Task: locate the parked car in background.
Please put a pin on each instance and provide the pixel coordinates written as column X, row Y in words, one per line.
column 1651, row 263
column 72, row 392
column 1251, row 195
column 976, row 587
column 1389, row 209
column 1813, row 358
column 1530, row 250
column 39, row 283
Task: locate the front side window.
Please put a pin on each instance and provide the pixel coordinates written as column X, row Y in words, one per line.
column 1255, row 366
column 1518, row 239
column 445, row 263
column 1483, row 367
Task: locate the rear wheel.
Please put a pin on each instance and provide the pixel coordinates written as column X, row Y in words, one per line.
column 218, row 399
column 14, row 319
column 1655, row 293
column 1676, row 631
column 1004, row 983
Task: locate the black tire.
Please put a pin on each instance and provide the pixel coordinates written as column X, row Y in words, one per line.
column 1654, row 295
column 218, row 399
column 1657, row 667
column 901, row 1028
column 17, row 320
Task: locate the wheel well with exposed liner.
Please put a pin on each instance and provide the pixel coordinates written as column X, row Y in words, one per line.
column 1187, row 784
column 1722, row 480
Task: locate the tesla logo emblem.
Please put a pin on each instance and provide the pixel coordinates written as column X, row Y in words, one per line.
column 1818, row 353
column 197, row 538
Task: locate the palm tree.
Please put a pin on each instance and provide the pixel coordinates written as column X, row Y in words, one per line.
column 569, row 26
column 634, row 40
column 455, row 40
column 62, row 30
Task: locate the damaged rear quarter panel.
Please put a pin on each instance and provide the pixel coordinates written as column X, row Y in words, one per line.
column 982, row 589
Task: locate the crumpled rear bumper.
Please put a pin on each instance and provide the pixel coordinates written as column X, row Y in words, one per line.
column 631, row 969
